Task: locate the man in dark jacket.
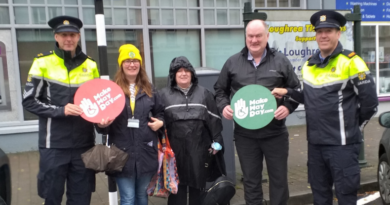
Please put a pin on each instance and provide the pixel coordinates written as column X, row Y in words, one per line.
column 63, row 135
column 194, row 126
column 258, row 64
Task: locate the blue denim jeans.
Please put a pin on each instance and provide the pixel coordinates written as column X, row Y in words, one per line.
column 132, row 190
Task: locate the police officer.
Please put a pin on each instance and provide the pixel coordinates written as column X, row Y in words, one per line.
column 340, row 97
column 63, row 135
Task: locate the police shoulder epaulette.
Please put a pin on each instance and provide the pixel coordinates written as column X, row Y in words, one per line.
column 89, row 57
column 348, row 53
column 44, row 54
column 309, row 58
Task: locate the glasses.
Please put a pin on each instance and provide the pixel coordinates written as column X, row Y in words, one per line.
column 135, row 62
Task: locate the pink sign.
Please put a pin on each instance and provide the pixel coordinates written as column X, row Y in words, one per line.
column 100, row 99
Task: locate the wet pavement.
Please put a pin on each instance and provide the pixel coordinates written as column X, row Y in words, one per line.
column 24, row 169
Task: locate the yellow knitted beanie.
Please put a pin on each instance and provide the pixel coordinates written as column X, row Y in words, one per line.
column 128, row 51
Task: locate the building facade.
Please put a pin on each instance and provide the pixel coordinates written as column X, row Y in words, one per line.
column 207, row 32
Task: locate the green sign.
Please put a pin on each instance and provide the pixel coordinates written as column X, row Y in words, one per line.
column 253, row 107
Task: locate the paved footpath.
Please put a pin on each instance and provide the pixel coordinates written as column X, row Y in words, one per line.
column 24, row 169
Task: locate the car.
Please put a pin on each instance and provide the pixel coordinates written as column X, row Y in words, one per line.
column 5, row 180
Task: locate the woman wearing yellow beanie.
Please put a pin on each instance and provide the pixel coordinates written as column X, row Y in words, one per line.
column 133, row 131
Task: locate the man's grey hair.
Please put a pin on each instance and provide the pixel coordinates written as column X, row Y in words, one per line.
column 263, row 22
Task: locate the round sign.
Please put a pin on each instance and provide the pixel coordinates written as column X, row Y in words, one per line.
column 253, row 107
column 100, row 99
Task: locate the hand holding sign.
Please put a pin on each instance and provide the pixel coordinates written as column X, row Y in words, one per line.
column 72, row 110
column 227, row 112
column 105, row 123
column 281, row 113
column 90, row 109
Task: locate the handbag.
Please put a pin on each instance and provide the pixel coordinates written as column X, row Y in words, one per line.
column 171, row 177
column 221, row 191
column 156, row 186
column 102, row 158
column 166, row 180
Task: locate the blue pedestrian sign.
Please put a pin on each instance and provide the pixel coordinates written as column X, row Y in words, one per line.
column 372, row 10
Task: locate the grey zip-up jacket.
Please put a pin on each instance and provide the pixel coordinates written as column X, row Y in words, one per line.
column 274, row 71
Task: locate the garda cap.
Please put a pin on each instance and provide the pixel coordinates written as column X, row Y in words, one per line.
column 65, row 24
column 327, row 19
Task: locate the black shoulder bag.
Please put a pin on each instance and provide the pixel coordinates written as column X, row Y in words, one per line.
column 221, row 191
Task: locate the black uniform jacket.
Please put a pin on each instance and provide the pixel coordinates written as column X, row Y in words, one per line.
column 53, row 80
column 339, row 96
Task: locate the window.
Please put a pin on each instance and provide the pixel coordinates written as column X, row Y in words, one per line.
column 54, row 2
column 277, row 3
column 42, row 40
column 37, row 1
column 38, row 15
column 221, row 44
column 54, row 11
column 89, row 16
column 368, row 47
column 115, row 38
column 5, row 100
column 21, row 15
column 168, row 44
column 384, row 59
column 72, row 11
column 173, row 12
column 19, row 1
column 4, row 15
column 115, row 16
column 222, row 12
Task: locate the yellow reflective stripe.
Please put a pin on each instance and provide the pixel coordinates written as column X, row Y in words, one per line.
column 335, row 72
column 35, row 69
column 92, row 64
column 307, row 83
column 83, row 73
column 52, row 68
column 357, row 65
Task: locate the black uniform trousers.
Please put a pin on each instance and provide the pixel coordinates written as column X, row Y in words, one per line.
column 338, row 164
column 57, row 166
column 251, row 153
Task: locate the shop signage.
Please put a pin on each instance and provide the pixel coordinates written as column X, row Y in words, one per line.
column 297, row 40
column 372, row 10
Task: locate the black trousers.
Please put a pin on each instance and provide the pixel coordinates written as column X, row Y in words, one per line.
column 181, row 197
column 57, row 166
column 334, row 164
column 251, row 153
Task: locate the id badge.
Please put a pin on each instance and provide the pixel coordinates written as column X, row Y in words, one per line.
column 133, row 123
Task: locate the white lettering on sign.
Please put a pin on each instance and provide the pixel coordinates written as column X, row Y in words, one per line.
column 369, row 16
column 257, row 107
column 104, row 99
column 259, row 101
column 101, row 94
